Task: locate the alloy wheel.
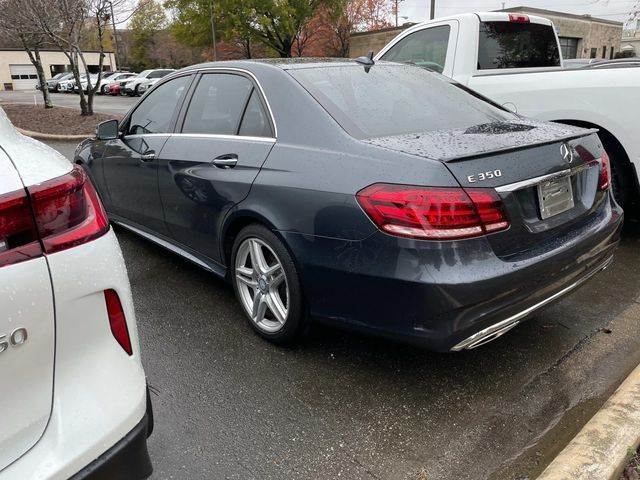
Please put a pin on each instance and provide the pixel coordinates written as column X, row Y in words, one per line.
column 262, row 285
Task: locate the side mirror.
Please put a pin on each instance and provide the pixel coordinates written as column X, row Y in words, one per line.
column 107, row 130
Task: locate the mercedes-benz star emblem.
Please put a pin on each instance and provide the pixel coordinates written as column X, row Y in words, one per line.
column 566, row 153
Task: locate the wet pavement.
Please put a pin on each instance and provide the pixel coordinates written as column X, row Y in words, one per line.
column 115, row 105
column 337, row 405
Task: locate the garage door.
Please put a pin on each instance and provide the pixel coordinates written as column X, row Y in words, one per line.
column 23, row 77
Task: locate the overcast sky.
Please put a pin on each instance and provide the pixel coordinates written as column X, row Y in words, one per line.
column 418, row 10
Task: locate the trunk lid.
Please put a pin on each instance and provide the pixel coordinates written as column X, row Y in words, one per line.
column 27, row 339
column 539, row 170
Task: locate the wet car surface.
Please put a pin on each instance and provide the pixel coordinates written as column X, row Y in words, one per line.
column 229, row 405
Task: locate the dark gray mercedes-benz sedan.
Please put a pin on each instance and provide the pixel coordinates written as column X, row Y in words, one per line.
column 377, row 197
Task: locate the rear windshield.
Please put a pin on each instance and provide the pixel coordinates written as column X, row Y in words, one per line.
column 393, row 99
column 517, row 45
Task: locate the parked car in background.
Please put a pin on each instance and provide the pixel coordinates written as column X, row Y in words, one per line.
column 145, row 85
column 76, row 400
column 377, row 197
column 618, row 62
column 106, row 82
column 52, row 84
column 132, row 86
column 84, row 82
column 515, row 60
column 115, row 87
column 67, row 85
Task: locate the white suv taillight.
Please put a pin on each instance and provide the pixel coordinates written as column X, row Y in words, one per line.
column 49, row 217
column 18, row 234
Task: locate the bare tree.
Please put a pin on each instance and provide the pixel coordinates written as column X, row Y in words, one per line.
column 18, row 26
column 67, row 24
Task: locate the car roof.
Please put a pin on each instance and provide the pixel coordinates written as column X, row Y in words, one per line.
column 283, row 63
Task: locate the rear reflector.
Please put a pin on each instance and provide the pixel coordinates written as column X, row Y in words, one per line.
column 49, row 217
column 605, row 171
column 117, row 320
column 518, row 18
column 18, row 235
column 434, row 213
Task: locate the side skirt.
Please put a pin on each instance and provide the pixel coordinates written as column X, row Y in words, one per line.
column 210, row 265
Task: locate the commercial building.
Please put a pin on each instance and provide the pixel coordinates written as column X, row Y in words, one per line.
column 581, row 36
column 631, row 39
column 18, row 73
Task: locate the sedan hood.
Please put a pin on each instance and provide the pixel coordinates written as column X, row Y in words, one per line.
column 479, row 140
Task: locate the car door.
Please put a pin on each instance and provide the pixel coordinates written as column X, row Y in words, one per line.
column 130, row 162
column 208, row 166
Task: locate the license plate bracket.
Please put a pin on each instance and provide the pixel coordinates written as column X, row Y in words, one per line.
column 555, row 196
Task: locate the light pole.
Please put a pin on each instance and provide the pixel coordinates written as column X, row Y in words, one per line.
column 432, row 12
column 397, row 6
column 213, row 31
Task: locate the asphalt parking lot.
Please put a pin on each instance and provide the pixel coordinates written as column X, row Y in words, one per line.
column 101, row 104
column 230, row 405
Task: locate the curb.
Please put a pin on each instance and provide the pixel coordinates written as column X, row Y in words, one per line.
column 51, row 136
column 600, row 451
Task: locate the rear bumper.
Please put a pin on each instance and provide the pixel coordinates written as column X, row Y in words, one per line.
column 126, row 460
column 438, row 294
column 100, row 392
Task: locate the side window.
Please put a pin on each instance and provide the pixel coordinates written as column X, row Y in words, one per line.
column 254, row 121
column 217, row 104
column 425, row 48
column 154, row 113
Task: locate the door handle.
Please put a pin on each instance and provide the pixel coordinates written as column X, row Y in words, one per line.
column 148, row 156
column 226, row 161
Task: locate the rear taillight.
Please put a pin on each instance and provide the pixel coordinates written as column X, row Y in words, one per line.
column 18, row 235
column 434, row 213
column 117, row 320
column 518, row 18
column 52, row 216
column 68, row 211
column 605, row 171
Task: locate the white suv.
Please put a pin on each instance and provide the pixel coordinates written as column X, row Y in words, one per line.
column 132, row 87
column 74, row 396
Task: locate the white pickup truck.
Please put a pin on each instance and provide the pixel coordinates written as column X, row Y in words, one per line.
column 515, row 60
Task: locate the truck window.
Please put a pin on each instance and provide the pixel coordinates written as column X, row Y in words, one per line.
column 517, row 45
column 425, row 48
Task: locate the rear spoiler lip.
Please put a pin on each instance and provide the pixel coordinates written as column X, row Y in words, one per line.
column 585, row 133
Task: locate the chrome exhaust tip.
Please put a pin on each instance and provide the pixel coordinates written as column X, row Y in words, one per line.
column 485, row 336
column 498, row 329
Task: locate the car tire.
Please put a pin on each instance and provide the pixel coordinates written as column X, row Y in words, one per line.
column 619, row 181
column 279, row 313
column 136, row 91
column 104, row 89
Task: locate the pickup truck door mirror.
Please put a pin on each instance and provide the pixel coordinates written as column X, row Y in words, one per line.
column 107, row 130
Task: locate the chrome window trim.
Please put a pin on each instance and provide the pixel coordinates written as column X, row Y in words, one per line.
column 226, row 137
column 256, row 81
